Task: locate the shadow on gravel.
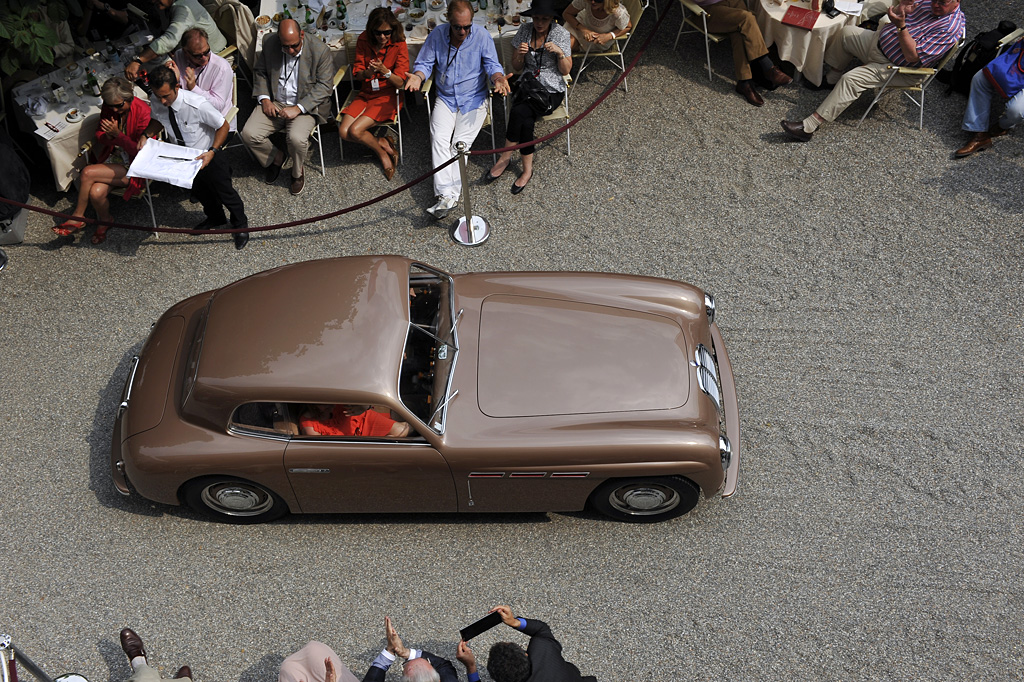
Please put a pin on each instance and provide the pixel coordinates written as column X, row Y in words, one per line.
column 990, row 174
column 112, row 654
column 264, row 670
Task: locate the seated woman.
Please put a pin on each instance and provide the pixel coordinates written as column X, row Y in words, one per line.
column 540, row 50
column 594, row 24
column 315, row 662
column 123, row 118
column 349, row 420
column 382, row 62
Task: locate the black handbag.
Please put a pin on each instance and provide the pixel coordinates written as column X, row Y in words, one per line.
column 530, row 91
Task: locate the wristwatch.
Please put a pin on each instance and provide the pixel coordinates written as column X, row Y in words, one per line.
column 106, row 7
column 387, row 75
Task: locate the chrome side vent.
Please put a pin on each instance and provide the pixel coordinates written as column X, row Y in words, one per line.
column 707, row 375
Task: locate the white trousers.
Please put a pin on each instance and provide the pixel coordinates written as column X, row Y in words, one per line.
column 446, row 128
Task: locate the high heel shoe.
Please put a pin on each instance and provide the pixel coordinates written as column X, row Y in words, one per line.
column 68, row 228
column 100, row 235
column 389, row 172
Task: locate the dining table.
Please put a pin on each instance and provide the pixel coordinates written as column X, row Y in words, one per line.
column 46, row 106
column 803, row 48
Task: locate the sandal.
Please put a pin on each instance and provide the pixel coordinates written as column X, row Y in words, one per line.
column 68, row 228
column 100, row 236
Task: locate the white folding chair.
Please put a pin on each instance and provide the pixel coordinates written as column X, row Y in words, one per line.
column 696, row 18
column 616, row 52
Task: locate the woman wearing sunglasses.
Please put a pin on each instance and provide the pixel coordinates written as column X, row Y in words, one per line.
column 594, row 24
column 123, row 118
column 541, row 55
column 382, row 61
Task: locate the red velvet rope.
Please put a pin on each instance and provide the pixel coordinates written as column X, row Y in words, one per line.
column 355, row 207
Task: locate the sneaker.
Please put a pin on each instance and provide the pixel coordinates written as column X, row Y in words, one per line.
column 443, row 207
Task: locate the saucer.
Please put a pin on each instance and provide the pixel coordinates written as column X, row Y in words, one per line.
column 74, row 118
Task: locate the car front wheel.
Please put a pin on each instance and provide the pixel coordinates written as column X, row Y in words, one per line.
column 645, row 500
column 233, row 500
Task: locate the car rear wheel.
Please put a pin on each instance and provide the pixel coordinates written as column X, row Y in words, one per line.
column 645, row 500
column 234, row 500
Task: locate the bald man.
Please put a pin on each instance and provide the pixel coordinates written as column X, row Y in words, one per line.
column 293, row 80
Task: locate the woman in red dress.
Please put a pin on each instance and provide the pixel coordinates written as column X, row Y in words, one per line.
column 382, row 62
column 123, row 118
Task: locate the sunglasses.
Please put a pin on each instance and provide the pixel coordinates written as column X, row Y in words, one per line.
column 456, row 27
column 119, row 104
column 384, row 33
column 199, row 55
column 293, row 46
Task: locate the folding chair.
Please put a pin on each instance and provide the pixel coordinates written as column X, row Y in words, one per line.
column 616, row 52
column 927, row 76
column 227, row 14
column 315, row 133
column 1009, row 39
column 696, row 18
column 561, row 114
column 488, row 120
column 394, row 124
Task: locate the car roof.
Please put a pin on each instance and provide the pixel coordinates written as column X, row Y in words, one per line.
column 319, row 331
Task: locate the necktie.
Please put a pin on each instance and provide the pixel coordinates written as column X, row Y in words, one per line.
column 174, row 126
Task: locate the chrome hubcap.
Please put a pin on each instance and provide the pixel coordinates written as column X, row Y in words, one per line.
column 644, row 499
column 237, row 499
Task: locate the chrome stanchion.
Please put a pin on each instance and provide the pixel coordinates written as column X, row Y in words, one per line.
column 471, row 230
column 3, row 259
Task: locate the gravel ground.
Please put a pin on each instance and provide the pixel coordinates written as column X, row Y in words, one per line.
column 870, row 297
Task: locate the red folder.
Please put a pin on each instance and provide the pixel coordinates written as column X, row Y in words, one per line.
column 798, row 16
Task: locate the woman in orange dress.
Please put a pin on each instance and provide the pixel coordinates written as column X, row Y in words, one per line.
column 382, row 62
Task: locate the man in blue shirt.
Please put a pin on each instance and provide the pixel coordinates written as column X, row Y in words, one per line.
column 460, row 56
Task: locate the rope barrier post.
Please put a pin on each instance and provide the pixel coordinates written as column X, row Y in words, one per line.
column 471, row 230
column 3, row 259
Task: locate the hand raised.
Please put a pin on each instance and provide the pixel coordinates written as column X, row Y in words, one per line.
column 331, row 675
column 506, row 616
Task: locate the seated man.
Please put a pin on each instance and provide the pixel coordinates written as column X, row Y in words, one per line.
column 915, row 37
column 202, row 72
column 185, row 14
column 460, row 57
column 349, row 420
column 1003, row 76
column 132, row 646
column 733, row 17
column 293, row 82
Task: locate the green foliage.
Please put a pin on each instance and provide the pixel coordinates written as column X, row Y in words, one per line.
column 25, row 39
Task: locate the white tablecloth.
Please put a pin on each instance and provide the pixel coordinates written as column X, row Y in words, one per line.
column 802, row 48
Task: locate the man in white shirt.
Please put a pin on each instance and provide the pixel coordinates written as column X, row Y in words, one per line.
column 292, row 82
column 189, row 119
column 202, row 72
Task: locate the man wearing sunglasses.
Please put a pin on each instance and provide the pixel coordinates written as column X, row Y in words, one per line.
column 461, row 58
column 184, row 14
column 918, row 35
column 293, row 80
column 202, row 72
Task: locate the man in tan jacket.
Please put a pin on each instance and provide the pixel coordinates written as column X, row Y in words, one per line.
column 293, row 81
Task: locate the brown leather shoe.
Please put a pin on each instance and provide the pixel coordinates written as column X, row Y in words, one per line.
column 777, row 78
column 977, row 143
column 746, row 88
column 297, row 184
column 795, row 130
column 183, row 671
column 131, row 643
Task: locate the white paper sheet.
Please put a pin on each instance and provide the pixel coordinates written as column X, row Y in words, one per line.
column 849, row 7
column 166, row 162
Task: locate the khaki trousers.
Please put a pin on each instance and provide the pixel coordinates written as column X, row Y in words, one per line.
column 145, row 673
column 874, row 71
column 732, row 17
column 258, row 129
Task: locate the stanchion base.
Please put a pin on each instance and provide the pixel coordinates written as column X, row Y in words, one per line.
column 476, row 236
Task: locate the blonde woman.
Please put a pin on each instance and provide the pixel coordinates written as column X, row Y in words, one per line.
column 594, row 24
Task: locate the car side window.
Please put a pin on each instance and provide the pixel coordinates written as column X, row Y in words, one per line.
column 350, row 421
column 266, row 418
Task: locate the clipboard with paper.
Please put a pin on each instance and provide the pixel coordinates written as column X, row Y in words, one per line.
column 166, row 162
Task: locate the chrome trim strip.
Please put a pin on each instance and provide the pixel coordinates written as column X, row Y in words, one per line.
column 731, row 411
column 309, row 471
column 570, row 474
column 487, row 474
column 528, row 474
column 241, row 431
column 128, row 387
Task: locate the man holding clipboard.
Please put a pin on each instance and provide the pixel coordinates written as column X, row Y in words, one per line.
column 190, row 120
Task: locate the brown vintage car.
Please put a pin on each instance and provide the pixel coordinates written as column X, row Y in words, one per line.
column 380, row 384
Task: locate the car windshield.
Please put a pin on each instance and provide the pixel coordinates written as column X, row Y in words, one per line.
column 431, row 347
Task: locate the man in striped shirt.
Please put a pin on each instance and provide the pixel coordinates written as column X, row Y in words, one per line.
column 917, row 36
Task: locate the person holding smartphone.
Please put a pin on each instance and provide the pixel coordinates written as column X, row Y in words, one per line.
column 541, row 661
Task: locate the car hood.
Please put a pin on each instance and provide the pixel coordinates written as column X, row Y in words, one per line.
column 307, row 332
column 570, row 357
